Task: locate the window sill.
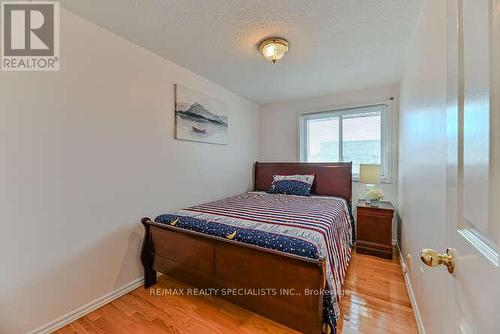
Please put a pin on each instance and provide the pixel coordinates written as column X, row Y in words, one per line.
column 382, row 181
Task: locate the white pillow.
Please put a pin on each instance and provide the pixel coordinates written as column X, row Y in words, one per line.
column 304, row 178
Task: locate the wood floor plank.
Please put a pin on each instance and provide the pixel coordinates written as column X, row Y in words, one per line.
column 375, row 301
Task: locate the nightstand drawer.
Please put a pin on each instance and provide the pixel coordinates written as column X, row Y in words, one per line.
column 375, row 228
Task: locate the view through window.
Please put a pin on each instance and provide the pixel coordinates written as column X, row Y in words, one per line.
column 355, row 135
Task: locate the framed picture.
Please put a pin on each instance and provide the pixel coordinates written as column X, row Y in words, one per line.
column 199, row 117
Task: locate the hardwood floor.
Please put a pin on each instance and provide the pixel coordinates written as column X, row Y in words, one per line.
column 375, row 301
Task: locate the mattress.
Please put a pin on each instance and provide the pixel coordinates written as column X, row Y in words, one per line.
column 315, row 227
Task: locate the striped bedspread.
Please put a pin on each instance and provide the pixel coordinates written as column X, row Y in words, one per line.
column 313, row 227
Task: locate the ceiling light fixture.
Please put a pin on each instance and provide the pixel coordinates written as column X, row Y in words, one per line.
column 273, row 49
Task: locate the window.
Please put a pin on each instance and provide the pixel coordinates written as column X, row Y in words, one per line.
column 360, row 135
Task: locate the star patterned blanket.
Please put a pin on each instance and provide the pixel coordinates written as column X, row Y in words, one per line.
column 313, row 227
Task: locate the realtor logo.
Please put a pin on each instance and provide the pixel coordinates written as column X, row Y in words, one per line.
column 30, row 36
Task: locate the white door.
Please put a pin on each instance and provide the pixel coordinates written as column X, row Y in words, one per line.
column 472, row 303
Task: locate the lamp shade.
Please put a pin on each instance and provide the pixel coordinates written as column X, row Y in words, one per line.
column 369, row 174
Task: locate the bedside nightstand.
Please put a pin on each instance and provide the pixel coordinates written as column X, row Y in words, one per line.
column 374, row 227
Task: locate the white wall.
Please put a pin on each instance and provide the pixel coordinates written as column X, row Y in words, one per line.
column 84, row 153
column 422, row 165
column 279, row 135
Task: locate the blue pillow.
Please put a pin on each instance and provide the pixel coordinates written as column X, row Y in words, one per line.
column 292, row 185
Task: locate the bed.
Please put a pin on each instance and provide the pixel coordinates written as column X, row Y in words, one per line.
column 282, row 256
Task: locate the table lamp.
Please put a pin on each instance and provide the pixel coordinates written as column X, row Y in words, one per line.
column 370, row 175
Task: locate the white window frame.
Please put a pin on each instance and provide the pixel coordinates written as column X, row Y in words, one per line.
column 386, row 134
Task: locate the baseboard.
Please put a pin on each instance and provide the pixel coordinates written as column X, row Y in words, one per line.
column 85, row 309
column 411, row 295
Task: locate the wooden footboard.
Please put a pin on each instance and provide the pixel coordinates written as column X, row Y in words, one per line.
column 270, row 283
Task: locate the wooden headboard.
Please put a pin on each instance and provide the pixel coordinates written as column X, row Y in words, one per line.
column 331, row 179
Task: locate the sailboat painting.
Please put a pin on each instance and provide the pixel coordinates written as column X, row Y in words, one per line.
column 199, row 117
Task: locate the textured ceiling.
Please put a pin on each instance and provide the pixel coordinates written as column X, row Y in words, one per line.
column 335, row 45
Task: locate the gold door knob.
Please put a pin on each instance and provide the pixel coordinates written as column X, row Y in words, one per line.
column 432, row 258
